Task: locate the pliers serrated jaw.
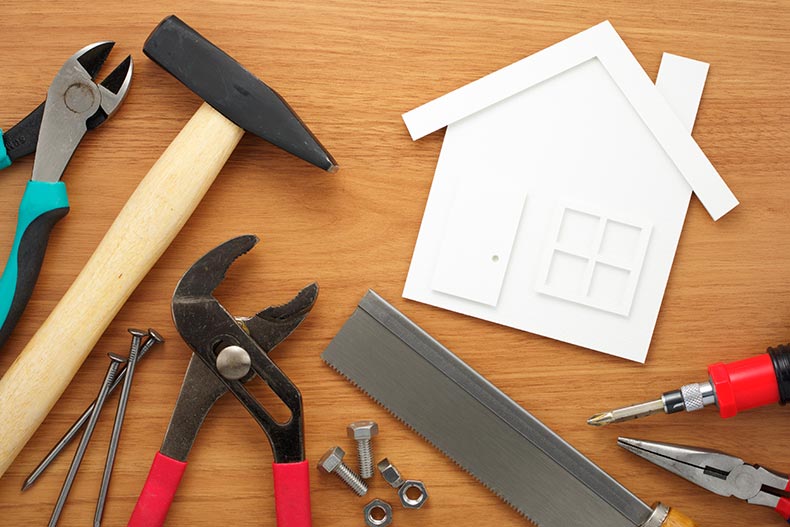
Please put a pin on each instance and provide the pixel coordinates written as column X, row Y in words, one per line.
column 717, row 472
column 208, row 328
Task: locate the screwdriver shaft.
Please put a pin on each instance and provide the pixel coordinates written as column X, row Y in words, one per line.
column 626, row 414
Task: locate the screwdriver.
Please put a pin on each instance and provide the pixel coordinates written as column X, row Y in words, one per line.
column 733, row 387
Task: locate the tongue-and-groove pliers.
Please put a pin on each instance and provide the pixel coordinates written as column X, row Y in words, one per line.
column 74, row 105
column 228, row 351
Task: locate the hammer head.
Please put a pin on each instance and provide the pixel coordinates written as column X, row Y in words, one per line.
column 232, row 90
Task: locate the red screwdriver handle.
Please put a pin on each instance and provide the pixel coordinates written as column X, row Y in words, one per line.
column 744, row 384
column 158, row 492
column 292, row 494
column 752, row 382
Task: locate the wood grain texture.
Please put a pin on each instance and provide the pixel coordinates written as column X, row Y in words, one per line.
column 143, row 230
column 350, row 68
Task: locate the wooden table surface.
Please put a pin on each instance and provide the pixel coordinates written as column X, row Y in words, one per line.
column 350, row 68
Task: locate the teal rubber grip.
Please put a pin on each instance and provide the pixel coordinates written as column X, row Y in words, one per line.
column 42, row 205
column 5, row 161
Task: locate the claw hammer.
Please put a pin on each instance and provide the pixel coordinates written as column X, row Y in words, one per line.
column 235, row 101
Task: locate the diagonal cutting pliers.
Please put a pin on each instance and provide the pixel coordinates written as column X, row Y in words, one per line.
column 229, row 351
column 74, row 104
column 718, row 472
column 21, row 139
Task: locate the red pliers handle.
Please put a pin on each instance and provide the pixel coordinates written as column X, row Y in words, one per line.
column 291, row 493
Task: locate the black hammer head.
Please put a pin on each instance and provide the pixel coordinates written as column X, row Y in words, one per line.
column 232, row 90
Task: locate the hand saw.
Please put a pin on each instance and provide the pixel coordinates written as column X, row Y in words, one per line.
column 479, row 427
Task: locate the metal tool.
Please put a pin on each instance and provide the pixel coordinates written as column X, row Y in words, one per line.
column 211, row 332
column 734, row 387
column 74, row 104
column 718, row 472
column 71, row 433
column 120, row 413
column 112, row 370
column 332, row 463
column 236, row 102
column 363, row 433
column 22, row 138
column 476, row 425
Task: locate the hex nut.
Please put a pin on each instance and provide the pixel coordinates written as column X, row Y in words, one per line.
column 378, row 513
column 412, row 494
column 390, row 474
column 331, row 460
column 362, row 430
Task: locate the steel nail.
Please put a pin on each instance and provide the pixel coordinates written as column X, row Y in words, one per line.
column 134, row 349
column 72, row 432
column 112, row 371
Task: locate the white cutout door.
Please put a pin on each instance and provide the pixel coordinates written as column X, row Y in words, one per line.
column 481, row 228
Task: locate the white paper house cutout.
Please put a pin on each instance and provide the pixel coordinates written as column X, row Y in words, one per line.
column 561, row 190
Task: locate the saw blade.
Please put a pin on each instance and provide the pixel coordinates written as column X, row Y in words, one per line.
column 475, row 424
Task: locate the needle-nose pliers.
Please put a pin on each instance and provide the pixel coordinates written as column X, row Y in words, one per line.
column 718, row 472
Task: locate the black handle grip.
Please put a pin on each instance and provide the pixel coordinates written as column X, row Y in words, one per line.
column 780, row 356
column 29, row 257
column 21, row 139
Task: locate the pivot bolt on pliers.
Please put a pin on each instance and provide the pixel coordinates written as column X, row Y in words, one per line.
column 74, row 105
column 228, row 352
column 718, row 472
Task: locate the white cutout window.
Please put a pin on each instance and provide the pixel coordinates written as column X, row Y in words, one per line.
column 594, row 260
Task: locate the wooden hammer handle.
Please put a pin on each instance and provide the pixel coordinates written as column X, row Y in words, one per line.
column 146, row 225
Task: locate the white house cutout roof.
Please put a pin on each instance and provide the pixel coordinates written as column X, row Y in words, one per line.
column 603, row 43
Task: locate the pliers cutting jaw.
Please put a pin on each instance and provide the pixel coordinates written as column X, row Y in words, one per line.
column 74, row 100
column 717, row 472
column 22, row 139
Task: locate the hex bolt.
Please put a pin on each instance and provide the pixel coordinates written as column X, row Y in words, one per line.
column 363, row 433
column 112, row 370
column 332, row 463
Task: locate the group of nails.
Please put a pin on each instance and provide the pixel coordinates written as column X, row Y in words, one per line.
column 377, row 513
column 120, row 370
